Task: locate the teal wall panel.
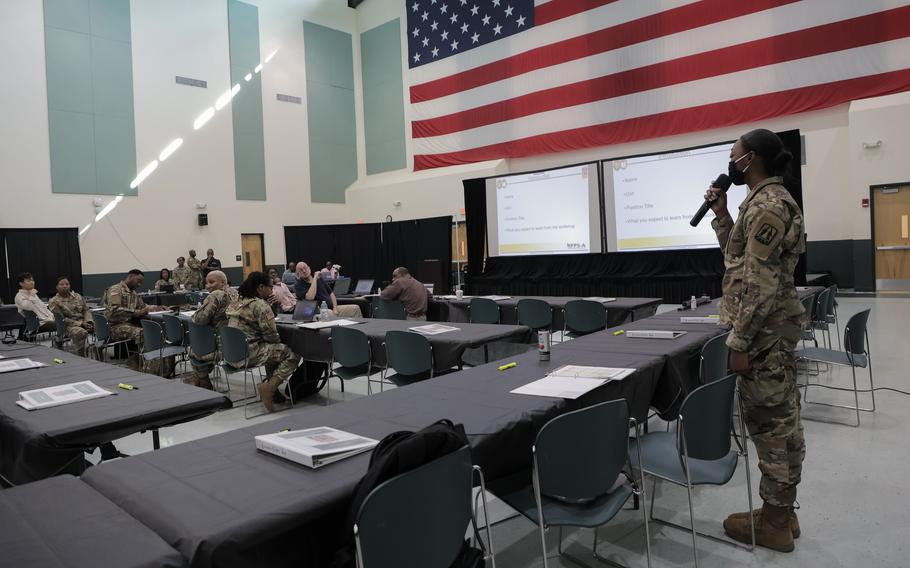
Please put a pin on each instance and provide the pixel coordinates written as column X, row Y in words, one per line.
column 90, row 96
column 330, row 112
column 246, row 107
column 383, row 98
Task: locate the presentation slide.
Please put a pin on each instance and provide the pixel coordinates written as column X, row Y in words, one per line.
column 551, row 212
column 649, row 200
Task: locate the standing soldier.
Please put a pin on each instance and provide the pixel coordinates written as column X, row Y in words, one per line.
column 760, row 302
column 180, row 276
column 121, row 306
column 75, row 313
column 195, row 271
column 213, row 313
column 253, row 315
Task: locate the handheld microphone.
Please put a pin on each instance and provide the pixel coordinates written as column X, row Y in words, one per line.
column 722, row 183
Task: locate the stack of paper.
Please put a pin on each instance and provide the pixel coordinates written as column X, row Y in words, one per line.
column 59, row 395
column 600, row 299
column 433, row 329
column 314, row 447
column 700, row 319
column 329, row 323
column 496, row 298
column 19, row 365
column 572, row 381
column 654, row 333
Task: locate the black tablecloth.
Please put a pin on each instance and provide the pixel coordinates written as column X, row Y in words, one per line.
column 222, row 503
column 62, row 522
column 448, row 348
column 618, row 311
column 165, row 299
column 40, row 443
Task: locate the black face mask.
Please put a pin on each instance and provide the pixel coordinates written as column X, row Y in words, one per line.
column 736, row 176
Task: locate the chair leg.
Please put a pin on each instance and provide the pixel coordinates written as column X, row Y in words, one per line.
column 691, row 512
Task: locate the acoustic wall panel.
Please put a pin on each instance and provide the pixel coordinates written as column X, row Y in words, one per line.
column 383, row 97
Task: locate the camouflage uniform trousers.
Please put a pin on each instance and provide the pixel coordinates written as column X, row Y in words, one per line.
column 78, row 334
column 771, row 412
column 204, row 364
column 121, row 331
column 277, row 358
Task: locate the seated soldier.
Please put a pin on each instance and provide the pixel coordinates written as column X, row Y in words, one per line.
column 122, row 305
column 75, row 313
column 213, row 313
column 253, row 315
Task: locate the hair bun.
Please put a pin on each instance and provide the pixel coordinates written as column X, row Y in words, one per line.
column 782, row 160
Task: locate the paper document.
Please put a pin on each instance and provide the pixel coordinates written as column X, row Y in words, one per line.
column 496, row 298
column 324, row 324
column 700, row 319
column 454, row 297
column 59, row 395
column 433, row 329
column 654, row 334
column 560, row 387
column 600, row 299
column 314, row 447
column 188, row 313
column 582, row 372
column 19, row 365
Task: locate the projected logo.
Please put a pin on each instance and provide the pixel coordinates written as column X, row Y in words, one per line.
column 501, row 183
column 620, row 165
column 576, row 246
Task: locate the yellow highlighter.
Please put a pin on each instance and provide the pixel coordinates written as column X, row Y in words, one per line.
column 508, row 366
column 619, row 332
column 125, row 386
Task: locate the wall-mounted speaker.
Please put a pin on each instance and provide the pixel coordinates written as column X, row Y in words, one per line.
column 203, row 219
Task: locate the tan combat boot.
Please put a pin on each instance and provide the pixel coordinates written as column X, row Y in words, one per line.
column 794, row 521
column 267, row 390
column 772, row 528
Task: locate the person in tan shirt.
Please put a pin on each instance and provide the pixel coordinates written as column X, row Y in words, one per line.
column 409, row 291
column 27, row 300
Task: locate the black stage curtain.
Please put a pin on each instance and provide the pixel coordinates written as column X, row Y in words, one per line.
column 47, row 254
column 373, row 250
column 674, row 276
column 5, row 297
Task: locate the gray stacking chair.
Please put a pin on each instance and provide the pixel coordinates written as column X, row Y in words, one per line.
column 855, row 354
column 388, row 309
column 62, row 337
column 154, row 347
column 235, row 350
column 582, row 317
column 699, row 452
column 577, row 459
column 421, row 515
column 202, row 342
column 483, row 310
column 351, row 357
column 103, row 337
column 535, row 314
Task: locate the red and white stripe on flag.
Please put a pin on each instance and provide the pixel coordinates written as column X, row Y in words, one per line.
column 599, row 72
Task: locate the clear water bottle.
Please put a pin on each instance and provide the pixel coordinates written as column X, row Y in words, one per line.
column 693, row 303
column 324, row 312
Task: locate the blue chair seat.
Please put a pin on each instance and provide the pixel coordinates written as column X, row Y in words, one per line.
column 661, row 458
column 350, row 373
column 831, row 356
column 168, row 351
column 401, row 380
column 589, row 514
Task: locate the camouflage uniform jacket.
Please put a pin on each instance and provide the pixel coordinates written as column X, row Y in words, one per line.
column 180, row 275
column 161, row 283
column 255, row 318
column 214, row 308
column 73, row 309
column 195, row 272
column 121, row 303
column 760, row 254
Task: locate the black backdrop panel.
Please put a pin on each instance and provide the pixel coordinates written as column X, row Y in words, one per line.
column 674, row 276
column 47, row 254
column 5, row 296
column 373, row 250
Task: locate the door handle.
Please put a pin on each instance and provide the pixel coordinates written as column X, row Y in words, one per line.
column 894, row 247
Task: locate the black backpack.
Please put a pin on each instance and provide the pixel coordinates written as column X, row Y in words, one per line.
column 308, row 379
column 395, row 454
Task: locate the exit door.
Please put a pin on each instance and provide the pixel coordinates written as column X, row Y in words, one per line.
column 253, row 253
column 891, row 216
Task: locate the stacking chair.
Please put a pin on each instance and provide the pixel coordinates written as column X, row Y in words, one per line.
column 577, row 459
column 32, row 326
column 353, row 356
column 699, row 452
column 714, row 361
column 62, row 337
column 535, row 314
column 388, row 309
column 410, row 354
column 202, row 343
column 175, row 334
column 855, row 354
column 236, row 352
column 825, row 315
column 154, row 347
column 581, row 317
column 483, row 310
column 103, row 337
column 421, row 514
column 809, row 333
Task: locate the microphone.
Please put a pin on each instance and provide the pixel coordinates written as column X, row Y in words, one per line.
column 722, row 183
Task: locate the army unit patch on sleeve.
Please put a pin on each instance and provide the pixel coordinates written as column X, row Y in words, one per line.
column 765, row 235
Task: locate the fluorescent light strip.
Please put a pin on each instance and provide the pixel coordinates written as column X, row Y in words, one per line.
column 170, row 149
column 258, row 68
column 248, row 76
column 110, row 206
column 144, row 173
column 270, row 56
column 85, row 229
column 206, row 115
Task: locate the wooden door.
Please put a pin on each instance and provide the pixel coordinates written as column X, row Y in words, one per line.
column 891, row 209
column 253, row 253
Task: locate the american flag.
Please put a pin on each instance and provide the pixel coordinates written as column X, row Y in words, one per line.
column 496, row 79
